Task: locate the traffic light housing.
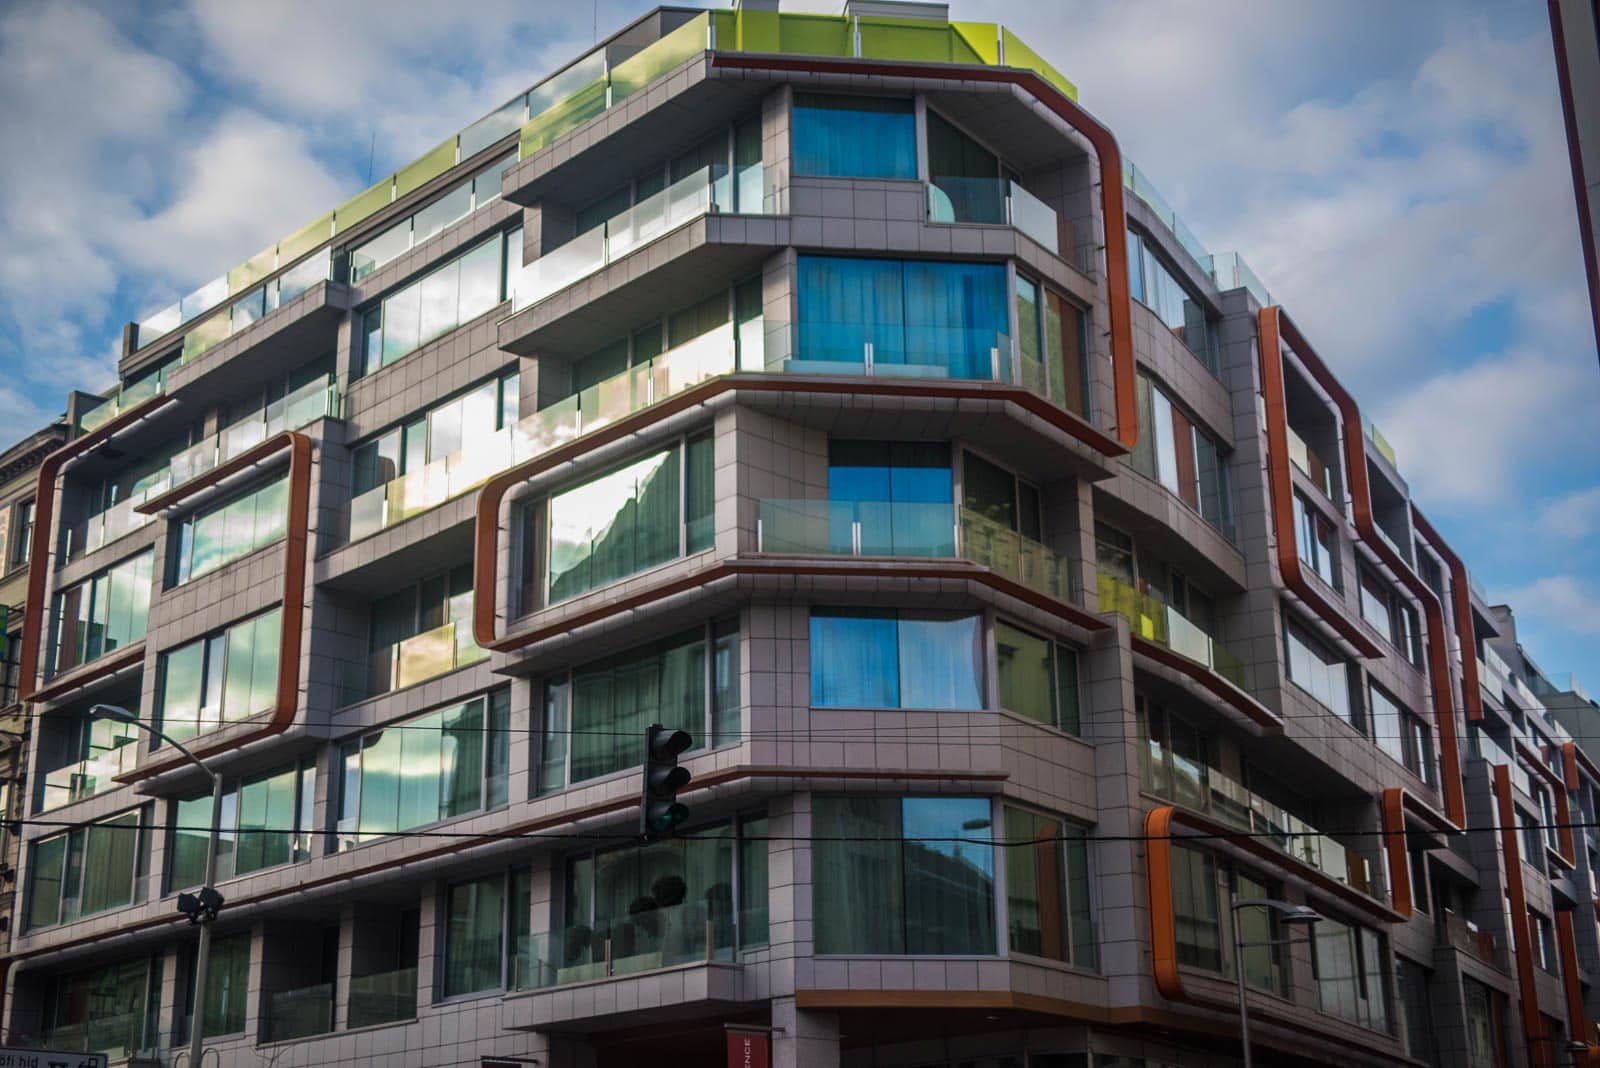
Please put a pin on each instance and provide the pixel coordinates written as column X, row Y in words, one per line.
column 659, row 810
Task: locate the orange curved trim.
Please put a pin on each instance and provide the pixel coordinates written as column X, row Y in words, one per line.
column 1568, row 856
column 93, row 671
column 1163, row 916
column 1252, row 709
column 1281, row 484
column 1113, row 206
column 1461, row 598
column 1569, row 765
column 1394, row 845
column 485, row 560
column 1578, row 1025
column 1522, row 939
column 296, row 555
column 1276, row 325
column 35, row 619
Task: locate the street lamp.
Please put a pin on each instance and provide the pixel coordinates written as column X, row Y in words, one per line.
column 1297, row 915
column 203, row 951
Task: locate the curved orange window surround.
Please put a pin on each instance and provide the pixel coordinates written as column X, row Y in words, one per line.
column 1522, row 939
column 1568, row 855
column 1461, row 597
column 1578, row 1024
column 1396, row 802
column 1163, row 918
column 1276, row 326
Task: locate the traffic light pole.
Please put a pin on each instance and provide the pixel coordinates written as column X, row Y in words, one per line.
column 203, row 951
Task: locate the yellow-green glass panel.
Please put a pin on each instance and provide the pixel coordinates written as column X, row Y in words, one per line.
column 913, row 39
column 362, row 205
column 419, row 173
column 645, row 66
column 983, row 38
column 815, row 35
column 754, row 31
column 1020, row 55
column 205, row 335
column 578, row 108
column 252, row 270
column 305, row 239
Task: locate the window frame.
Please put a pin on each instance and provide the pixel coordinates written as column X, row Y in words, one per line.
column 509, row 952
column 1057, row 647
column 301, row 838
column 78, row 868
column 205, row 642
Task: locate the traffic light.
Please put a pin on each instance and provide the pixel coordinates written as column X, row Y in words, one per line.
column 659, row 811
column 202, row 906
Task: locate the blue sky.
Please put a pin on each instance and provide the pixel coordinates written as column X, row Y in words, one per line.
column 1395, row 172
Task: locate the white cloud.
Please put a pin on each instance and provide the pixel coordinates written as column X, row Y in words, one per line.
column 1558, row 603
column 1572, row 516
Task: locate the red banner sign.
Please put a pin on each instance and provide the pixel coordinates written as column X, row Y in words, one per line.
column 749, row 1049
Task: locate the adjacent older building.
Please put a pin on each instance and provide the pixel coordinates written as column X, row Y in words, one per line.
column 829, row 388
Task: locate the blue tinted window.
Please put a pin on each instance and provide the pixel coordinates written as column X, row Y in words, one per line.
column 854, row 137
column 863, row 658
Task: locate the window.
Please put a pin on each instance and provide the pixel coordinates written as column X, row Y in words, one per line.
column 703, row 164
column 420, row 632
column 874, row 658
column 1351, row 976
column 227, row 989
column 910, row 875
column 1392, row 616
column 456, row 203
column 220, row 679
column 1319, row 673
column 1157, row 286
column 1532, row 830
column 265, row 822
column 479, row 914
column 891, row 498
column 435, row 304
column 1316, row 541
column 1177, row 758
column 1402, row 734
column 645, row 513
column 86, row 870
column 444, row 764
column 996, row 495
column 716, row 328
column 1411, row 1001
column 1047, row 889
column 10, row 663
column 102, row 613
column 595, row 716
column 1182, row 457
column 1196, row 909
column 1038, row 677
column 220, row 535
column 109, row 1008
column 1485, row 1037
column 21, row 546
column 968, row 178
column 652, row 903
column 1051, row 343
column 1259, row 931
column 854, row 137
column 907, row 318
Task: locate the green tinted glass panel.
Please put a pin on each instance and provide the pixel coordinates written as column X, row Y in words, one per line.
column 424, row 170
column 44, row 881
column 1020, row 55
column 913, row 39
column 981, row 38
column 644, row 67
column 305, row 239
column 252, row 270
column 362, row 205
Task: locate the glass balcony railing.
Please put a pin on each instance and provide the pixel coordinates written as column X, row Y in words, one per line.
column 1381, row 443
column 257, row 304
column 298, row 1013
column 1310, row 464
column 386, row 997
column 1157, row 622
column 911, row 529
column 707, row 356
column 705, row 191
column 75, row 782
column 128, row 397
column 315, row 400
column 1485, row 747
column 1229, row 271
column 1462, row 934
column 115, row 1035
column 1140, row 186
column 423, row 656
column 999, row 201
column 642, row 942
column 103, row 528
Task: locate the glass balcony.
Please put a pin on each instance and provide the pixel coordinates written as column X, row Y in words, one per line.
column 128, row 397
column 75, row 782
column 315, row 400
column 1462, row 934
column 1229, row 271
column 386, row 997
column 707, row 356
column 1000, row 201
column 911, row 529
column 642, row 942
column 1381, row 443
column 1485, row 747
column 115, row 1036
column 706, row 190
column 1140, row 186
column 298, row 1013
column 1154, row 621
column 423, row 656
column 1310, row 464
column 257, row 304
column 1234, row 803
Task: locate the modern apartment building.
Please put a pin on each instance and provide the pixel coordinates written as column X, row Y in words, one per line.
column 831, row 388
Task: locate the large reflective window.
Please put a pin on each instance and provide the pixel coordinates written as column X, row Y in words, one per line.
column 89, row 869
column 1318, row 672
column 102, row 613
column 223, row 534
column 1156, row 285
column 1047, row 889
column 891, row 498
column 220, row 679
column 436, row 303
column 908, row 875
column 1038, row 677
column 854, row 137
column 872, row 658
column 265, row 822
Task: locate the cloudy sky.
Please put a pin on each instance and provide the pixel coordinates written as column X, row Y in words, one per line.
column 1395, row 172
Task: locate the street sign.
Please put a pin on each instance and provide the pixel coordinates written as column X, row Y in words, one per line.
column 44, row 1058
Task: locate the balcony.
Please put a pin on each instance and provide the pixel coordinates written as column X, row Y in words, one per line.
column 645, row 941
column 1002, row 202
column 1486, row 748
column 707, row 356
column 383, row 998
column 912, row 529
column 1311, row 465
column 115, row 1036
column 709, row 190
column 1462, row 934
column 75, row 782
column 298, row 1013
column 1154, row 621
column 128, row 397
column 315, row 400
column 1381, row 443
column 103, row 528
column 416, row 659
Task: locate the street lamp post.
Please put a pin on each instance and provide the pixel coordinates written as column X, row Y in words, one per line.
column 1299, row 915
column 203, row 951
